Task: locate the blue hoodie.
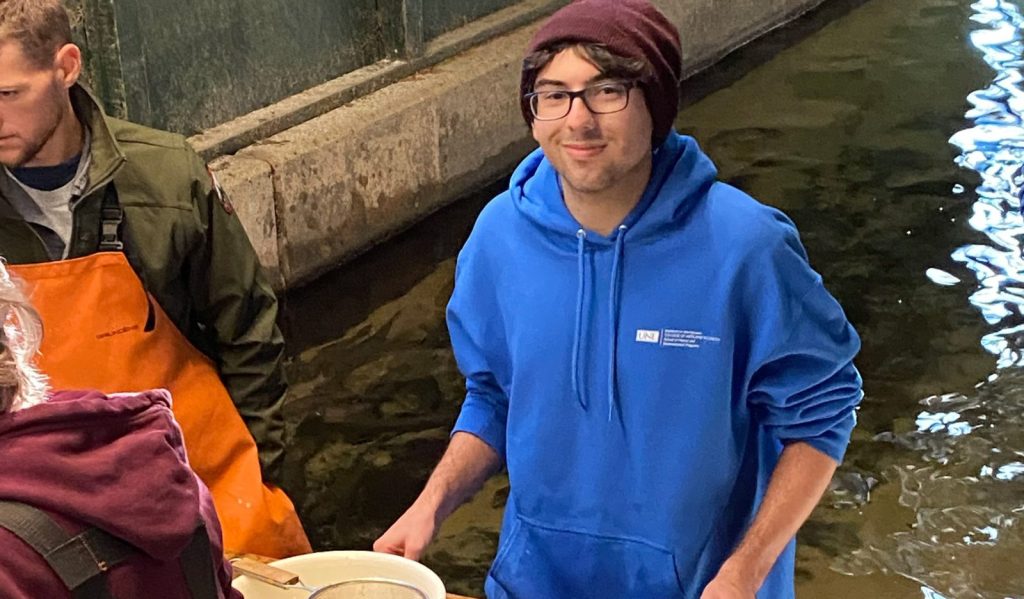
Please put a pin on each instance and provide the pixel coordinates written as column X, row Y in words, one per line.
column 641, row 387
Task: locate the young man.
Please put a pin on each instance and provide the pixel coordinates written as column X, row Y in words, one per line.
column 101, row 217
column 646, row 349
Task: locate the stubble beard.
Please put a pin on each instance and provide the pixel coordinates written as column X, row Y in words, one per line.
column 55, row 114
column 588, row 183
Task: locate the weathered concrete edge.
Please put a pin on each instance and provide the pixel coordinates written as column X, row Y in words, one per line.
column 332, row 183
column 250, row 180
column 347, row 179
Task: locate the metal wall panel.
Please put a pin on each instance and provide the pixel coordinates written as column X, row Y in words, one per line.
column 441, row 16
column 187, row 65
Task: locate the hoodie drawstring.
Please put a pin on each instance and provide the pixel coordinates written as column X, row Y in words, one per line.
column 581, row 235
column 613, row 321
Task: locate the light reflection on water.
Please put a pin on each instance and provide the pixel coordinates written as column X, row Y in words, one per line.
column 968, row 499
column 993, row 147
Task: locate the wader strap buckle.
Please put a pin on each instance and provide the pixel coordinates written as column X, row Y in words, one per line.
column 111, row 217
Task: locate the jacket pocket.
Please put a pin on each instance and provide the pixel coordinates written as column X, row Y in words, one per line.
column 537, row 561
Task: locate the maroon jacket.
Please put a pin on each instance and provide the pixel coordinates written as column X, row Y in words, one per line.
column 116, row 463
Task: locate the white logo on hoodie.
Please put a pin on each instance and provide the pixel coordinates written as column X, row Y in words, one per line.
column 644, row 336
column 675, row 338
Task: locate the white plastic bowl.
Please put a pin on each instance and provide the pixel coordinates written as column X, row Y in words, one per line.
column 328, row 567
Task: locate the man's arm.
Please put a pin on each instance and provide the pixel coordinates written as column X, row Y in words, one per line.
column 465, row 467
column 236, row 304
column 797, row 484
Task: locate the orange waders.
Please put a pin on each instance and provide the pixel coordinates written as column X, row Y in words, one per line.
column 103, row 331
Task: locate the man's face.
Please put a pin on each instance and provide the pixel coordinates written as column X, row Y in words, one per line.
column 33, row 102
column 592, row 152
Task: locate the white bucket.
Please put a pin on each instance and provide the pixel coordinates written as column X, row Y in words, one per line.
column 329, row 567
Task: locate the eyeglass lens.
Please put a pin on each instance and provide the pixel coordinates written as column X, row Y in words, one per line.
column 599, row 99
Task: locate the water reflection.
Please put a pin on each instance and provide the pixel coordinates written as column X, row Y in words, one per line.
column 966, row 493
column 994, row 148
column 963, row 480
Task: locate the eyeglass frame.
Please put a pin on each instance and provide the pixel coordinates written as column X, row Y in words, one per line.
column 630, row 84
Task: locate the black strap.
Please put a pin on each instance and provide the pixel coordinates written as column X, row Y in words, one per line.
column 197, row 565
column 111, row 217
column 78, row 560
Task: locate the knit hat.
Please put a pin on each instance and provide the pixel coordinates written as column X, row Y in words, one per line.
column 628, row 28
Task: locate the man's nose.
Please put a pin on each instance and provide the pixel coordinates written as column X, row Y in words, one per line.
column 579, row 116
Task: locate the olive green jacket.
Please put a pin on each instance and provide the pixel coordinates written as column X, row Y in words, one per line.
column 191, row 253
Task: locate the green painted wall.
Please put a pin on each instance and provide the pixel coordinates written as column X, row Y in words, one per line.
column 95, row 31
column 187, row 65
column 441, row 16
column 190, row 64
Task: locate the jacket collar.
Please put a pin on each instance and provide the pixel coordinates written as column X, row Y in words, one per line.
column 106, row 154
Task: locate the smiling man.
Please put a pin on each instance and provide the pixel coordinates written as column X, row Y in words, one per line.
column 646, row 349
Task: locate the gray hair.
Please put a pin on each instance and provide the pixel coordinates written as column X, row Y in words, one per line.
column 21, row 331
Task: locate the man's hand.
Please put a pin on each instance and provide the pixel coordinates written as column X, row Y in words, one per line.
column 729, row 584
column 410, row 534
column 797, row 483
column 466, row 465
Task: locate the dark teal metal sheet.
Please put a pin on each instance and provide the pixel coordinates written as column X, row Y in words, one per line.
column 191, row 64
column 442, row 16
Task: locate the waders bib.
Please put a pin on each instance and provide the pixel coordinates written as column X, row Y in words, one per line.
column 104, row 332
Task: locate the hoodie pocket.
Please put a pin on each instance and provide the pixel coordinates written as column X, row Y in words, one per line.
column 541, row 561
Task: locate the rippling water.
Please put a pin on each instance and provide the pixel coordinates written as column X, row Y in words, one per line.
column 993, row 147
column 893, row 138
column 964, row 481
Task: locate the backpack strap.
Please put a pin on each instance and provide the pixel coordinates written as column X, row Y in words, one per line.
column 78, row 560
column 197, row 565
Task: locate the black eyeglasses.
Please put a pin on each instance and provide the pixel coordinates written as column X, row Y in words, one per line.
column 601, row 98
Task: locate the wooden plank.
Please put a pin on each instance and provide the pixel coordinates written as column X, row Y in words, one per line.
column 264, row 572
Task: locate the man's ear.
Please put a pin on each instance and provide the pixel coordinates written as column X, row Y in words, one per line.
column 68, row 63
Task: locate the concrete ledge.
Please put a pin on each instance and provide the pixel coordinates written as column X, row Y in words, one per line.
column 250, row 185
column 345, row 178
column 351, row 177
column 318, row 193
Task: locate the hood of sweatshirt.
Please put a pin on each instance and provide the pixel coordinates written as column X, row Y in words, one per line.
column 681, row 175
column 117, row 463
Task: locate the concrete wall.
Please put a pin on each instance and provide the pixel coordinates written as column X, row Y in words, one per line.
column 320, row 192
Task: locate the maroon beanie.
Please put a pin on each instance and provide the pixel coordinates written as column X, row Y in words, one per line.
column 631, row 29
